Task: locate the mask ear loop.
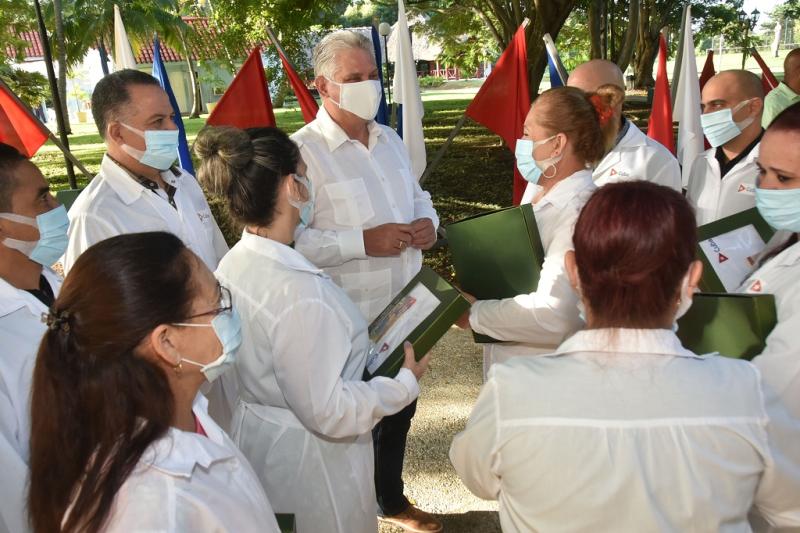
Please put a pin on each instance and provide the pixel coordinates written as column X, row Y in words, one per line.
column 551, row 166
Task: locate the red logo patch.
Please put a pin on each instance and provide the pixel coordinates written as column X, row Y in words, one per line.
column 613, row 172
column 722, row 258
column 742, row 188
column 756, row 286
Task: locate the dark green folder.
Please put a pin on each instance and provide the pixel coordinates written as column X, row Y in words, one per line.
column 497, row 255
column 286, row 522
column 735, row 325
column 451, row 306
column 710, row 282
column 67, row 197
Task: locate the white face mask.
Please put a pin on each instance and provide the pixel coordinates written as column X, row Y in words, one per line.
column 362, row 98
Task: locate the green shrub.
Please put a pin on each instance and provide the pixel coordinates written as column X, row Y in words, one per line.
column 431, row 81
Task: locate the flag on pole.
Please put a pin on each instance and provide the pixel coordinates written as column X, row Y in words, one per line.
column 246, row 102
column 503, row 101
column 558, row 74
column 660, row 124
column 708, row 70
column 383, row 111
column 308, row 106
column 123, row 54
column 768, row 79
column 17, row 127
column 160, row 73
column 407, row 95
column 686, row 111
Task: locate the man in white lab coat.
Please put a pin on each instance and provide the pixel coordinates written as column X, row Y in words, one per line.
column 32, row 231
column 370, row 223
column 635, row 155
column 722, row 179
column 138, row 188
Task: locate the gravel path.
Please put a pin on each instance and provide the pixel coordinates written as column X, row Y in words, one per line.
column 449, row 390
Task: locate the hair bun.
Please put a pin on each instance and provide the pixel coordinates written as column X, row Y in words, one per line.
column 231, row 145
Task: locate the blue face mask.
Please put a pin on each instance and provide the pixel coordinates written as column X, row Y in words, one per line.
column 530, row 168
column 161, row 147
column 228, row 328
column 53, row 239
column 306, row 207
column 780, row 208
column 719, row 126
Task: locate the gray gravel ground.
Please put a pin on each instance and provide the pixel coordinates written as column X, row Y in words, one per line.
column 449, row 390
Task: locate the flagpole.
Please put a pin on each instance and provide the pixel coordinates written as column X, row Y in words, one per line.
column 277, row 44
column 51, row 75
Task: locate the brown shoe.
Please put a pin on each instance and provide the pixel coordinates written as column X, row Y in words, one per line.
column 414, row 520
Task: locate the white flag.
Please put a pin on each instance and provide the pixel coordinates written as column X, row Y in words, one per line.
column 123, row 54
column 406, row 92
column 687, row 103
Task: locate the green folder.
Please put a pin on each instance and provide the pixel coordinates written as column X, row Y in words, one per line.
column 728, row 246
column 421, row 313
column 285, row 522
column 735, row 325
column 67, row 197
column 497, row 255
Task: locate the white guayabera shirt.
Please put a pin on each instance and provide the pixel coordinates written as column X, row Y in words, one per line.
column 358, row 188
column 625, row 430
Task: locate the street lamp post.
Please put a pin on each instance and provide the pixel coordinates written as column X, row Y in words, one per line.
column 385, row 29
column 749, row 24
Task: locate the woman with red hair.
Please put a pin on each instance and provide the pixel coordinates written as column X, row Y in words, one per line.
column 621, row 428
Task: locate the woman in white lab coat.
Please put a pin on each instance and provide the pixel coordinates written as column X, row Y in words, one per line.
column 566, row 132
column 778, row 201
column 305, row 414
column 621, row 428
column 120, row 437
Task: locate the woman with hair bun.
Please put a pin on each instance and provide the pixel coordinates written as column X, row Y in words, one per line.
column 305, row 414
column 566, row 132
column 621, row 428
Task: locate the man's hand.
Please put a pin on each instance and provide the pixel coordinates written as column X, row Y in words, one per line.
column 424, row 234
column 387, row 240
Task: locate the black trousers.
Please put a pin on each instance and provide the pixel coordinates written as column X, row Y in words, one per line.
column 389, row 439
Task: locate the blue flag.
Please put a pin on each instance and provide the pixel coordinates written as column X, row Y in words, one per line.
column 558, row 74
column 160, row 73
column 383, row 111
column 555, row 78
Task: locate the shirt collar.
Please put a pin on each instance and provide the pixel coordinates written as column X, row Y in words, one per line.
column 564, row 191
column 178, row 452
column 285, row 255
column 13, row 299
column 786, row 92
column 128, row 185
column 625, row 341
column 335, row 136
column 625, row 125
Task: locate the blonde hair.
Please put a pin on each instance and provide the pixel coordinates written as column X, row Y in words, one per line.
column 324, row 56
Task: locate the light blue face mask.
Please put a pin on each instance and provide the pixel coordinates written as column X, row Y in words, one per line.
column 719, row 126
column 530, row 168
column 53, row 239
column 780, row 208
column 161, row 147
column 306, row 207
column 228, row 328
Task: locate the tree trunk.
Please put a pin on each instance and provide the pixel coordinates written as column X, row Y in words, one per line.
column 61, row 58
column 281, row 93
column 647, row 50
column 629, row 42
column 197, row 97
column 596, row 8
column 550, row 16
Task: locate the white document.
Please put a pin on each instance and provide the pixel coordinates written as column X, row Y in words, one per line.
column 397, row 322
column 733, row 255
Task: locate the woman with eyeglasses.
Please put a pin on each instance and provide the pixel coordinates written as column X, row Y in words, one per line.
column 305, row 414
column 121, row 439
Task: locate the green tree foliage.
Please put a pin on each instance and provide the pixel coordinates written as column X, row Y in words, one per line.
column 15, row 16
column 31, row 87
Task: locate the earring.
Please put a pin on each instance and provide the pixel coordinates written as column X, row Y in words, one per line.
column 178, row 367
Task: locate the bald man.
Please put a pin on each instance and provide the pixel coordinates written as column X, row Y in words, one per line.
column 722, row 180
column 787, row 92
column 635, row 155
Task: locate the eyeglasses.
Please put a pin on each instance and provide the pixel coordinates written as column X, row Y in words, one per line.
column 225, row 304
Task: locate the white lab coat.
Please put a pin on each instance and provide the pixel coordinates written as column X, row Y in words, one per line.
column 638, row 157
column 115, row 203
column 625, row 430
column 713, row 197
column 188, row 482
column 539, row 321
column 21, row 331
column 358, row 188
column 305, row 413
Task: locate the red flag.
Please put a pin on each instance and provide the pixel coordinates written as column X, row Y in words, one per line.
column 708, row 70
column 768, row 79
column 17, row 127
column 504, row 99
column 660, row 125
column 246, row 103
column 307, row 103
